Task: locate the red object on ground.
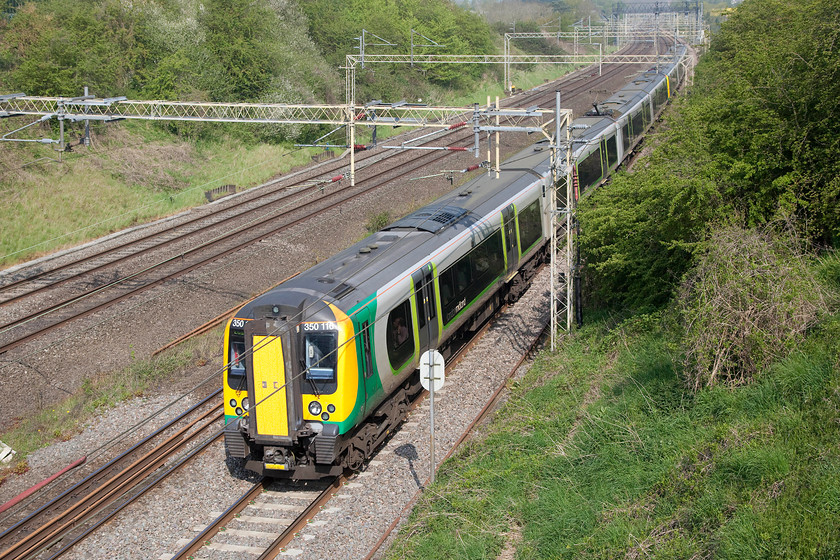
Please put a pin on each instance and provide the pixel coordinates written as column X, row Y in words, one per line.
column 26, row 493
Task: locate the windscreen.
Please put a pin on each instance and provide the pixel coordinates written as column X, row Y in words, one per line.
column 320, row 356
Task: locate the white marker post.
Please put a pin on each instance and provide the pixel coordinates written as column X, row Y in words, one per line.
column 432, row 376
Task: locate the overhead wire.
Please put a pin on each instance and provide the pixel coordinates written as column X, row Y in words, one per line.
column 225, row 366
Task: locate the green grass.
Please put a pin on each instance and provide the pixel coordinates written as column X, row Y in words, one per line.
column 134, row 175
column 601, row 453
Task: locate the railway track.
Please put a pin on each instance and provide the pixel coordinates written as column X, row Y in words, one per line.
column 48, row 299
column 54, row 527
column 262, row 521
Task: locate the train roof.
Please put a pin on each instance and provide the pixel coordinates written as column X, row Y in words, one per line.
column 355, row 273
column 619, row 104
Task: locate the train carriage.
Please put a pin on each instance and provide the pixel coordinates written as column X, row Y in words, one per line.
column 319, row 370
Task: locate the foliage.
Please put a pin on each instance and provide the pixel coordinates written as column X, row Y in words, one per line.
column 232, row 50
column 336, row 25
column 514, row 13
column 747, row 303
column 769, row 93
column 376, row 222
column 543, row 46
column 640, row 232
column 755, row 141
column 57, row 47
column 600, row 453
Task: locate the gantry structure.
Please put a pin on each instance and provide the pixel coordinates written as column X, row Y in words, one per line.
column 483, row 119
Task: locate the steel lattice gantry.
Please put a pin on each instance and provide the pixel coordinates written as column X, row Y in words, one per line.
column 679, row 6
column 78, row 109
column 355, row 61
column 400, row 114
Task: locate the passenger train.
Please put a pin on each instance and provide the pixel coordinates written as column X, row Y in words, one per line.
column 320, row 369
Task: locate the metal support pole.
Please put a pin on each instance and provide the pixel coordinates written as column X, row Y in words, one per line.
column 600, row 57
column 476, row 124
column 350, row 117
column 498, row 123
column 507, row 63
column 87, row 124
column 570, row 206
column 432, row 377
column 61, row 132
column 552, row 200
column 352, row 127
column 489, row 156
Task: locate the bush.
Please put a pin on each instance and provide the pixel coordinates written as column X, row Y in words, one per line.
column 748, row 301
column 378, row 221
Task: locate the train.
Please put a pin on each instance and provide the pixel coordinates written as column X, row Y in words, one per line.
column 319, row 370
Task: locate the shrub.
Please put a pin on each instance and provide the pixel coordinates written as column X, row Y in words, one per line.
column 748, row 301
column 378, row 221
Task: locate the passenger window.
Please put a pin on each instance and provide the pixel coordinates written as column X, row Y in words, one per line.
column 399, row 335
column 530, row 226
column 638, row 123
column 589, row 170
column 625, row 138
column 462, row 282
column 612, row 151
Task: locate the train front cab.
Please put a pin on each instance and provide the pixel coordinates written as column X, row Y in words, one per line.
column 291, row 390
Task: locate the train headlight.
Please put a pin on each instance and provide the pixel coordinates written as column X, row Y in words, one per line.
column 331, row 408
column 232, row 403
column 314, row 408
column 325, row 417
column 246, row 404
column 239, row 411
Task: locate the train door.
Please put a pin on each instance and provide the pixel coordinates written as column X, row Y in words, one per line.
column 511, row 248
column 275, row 413
column 364, row 353
column 424, row 294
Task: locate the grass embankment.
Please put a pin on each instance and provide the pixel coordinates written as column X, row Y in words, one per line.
column 602, row 453
column 133, row 173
